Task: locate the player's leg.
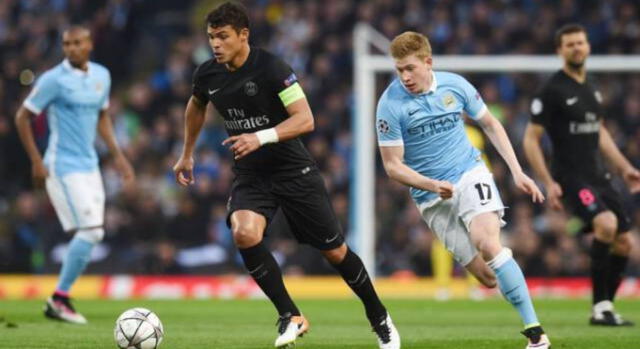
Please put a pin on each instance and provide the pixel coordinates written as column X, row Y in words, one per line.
column 248, row 228
column 485, row 234
column 308, row 209
column 480, row 271
column 79, row 203
column 480, row 208
column 621, row 245
column 251, row 206
column 618, row 260
column 605, row 225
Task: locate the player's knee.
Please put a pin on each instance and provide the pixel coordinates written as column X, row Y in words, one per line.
column 336, row 256
column 246, row 235
column 622, row 245
column 489, row 248
column 92, row 235
column 605, row 226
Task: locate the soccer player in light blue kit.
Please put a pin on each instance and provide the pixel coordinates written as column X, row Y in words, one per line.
column 423, row 145
column 75, row 95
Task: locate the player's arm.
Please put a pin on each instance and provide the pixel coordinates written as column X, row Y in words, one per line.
column 23, row 125
column 43, row 93
column 392, row 159
column 194, row 119
column 299, row 122
column 498, row 137
column 105, row 129
column 535, row 156
column 611, row 152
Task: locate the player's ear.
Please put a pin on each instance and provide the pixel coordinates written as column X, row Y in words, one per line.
column 244, row 34
column 429, row 61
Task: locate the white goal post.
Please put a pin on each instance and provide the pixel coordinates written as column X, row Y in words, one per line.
column 368, row 64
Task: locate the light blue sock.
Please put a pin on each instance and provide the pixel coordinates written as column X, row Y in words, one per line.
column 514, row 287
column 74, row 263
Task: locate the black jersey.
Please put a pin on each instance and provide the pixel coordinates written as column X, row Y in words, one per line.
column 571, row 114
column 248, row 100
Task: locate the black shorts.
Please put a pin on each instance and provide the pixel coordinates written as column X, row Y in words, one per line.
column 587, row 199
column 303, row 200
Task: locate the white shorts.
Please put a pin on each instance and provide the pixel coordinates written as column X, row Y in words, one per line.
column 473, row 194
column 78, row 199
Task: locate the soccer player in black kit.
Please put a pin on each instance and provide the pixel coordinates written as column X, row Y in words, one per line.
column 569, row 109
column 265, row 111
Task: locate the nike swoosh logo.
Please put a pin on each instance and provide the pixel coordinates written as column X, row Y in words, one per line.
column 413, row 112
column 357, row 277
column 572, row 101
column 484, row 203
column 211, row 92
column 256, row 269
column 333, row 238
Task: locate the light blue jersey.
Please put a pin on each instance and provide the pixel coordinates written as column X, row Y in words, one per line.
column 430, row 126
column 73, row 99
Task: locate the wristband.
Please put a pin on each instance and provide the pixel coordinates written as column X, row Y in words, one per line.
column 269, row 135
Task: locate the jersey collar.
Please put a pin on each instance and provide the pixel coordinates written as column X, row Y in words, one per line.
column 79, row 72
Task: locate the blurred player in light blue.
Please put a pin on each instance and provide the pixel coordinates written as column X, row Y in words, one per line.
column 75, row 96
column 423, row 144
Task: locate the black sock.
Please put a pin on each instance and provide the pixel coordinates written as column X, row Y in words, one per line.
column 617, row 266
column 264, row 269
column 354, row 273
column 600, row 270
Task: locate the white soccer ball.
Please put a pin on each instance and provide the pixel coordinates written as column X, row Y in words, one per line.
column 138, row 328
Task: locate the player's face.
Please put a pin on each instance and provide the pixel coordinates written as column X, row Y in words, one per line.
column 77, row 46
column 574, row 49
column 226, row 42
column 414, row 72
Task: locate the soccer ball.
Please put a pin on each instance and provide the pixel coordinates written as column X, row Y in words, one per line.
column 138, row 328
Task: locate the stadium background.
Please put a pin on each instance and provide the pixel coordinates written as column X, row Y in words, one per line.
column 152, row 48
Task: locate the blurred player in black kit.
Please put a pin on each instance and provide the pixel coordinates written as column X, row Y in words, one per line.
column 569, row 109
column 265, row 111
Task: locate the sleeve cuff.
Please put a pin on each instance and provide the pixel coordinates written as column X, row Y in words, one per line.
column 105, row 105
column 391, row 143
column 32, row 107
column 480, row 113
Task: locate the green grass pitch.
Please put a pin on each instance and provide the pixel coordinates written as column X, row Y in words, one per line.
column 249, row 324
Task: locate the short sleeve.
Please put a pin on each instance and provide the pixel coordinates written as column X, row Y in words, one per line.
column 473, row 103
column 107, row 91
column 42, row 94
column 198, row 88
column 542, row 107
column 388, row 126
column 284, row 82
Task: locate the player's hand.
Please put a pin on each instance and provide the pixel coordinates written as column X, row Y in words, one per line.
column 242, row 145
column 39, row 174
column 125, row 169
column 554, row 193
column 444, row 189
column 527, row 185
column 184, row 171
column 632, row 178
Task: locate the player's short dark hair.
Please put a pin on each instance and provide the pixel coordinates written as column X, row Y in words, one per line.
column 568, row 29
column 230, row 13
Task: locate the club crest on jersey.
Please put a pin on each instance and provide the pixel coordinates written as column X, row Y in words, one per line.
column 290, row 80
column 448, row 100
column 99, row 87
column 251, row 88
column 383, row 126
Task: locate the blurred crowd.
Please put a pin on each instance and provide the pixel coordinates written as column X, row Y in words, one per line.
column 152, row 48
